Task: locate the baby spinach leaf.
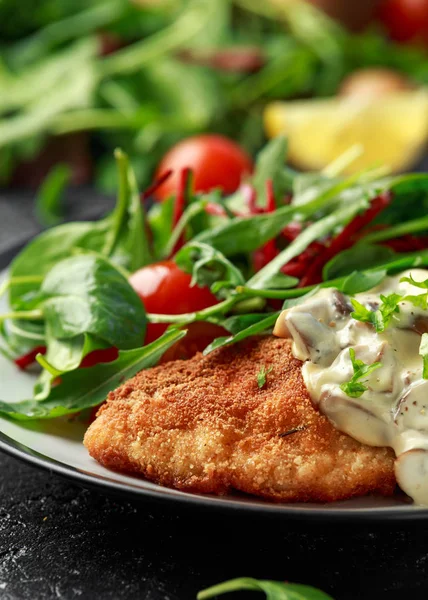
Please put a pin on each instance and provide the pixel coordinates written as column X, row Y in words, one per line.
column 274, row 590
column 67, row 354
column 23, row 336
column 52, row 246
column 83, row 388
column 208, row 267
column 87, row 294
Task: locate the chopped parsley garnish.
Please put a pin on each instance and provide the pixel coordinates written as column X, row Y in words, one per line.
column 356, row 388
column 423, row 351
column 261, row 376
column 382, row 316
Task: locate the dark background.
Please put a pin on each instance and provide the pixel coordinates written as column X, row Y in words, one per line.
column 58, row 541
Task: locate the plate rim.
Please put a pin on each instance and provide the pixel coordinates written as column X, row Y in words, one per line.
column 20, row 451
column 26, row 454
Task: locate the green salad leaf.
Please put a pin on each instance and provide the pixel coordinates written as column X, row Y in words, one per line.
column 120, row 236
column 208, row 267
column 263, row 324
column 270, row 166
column 83, row 388
column 87, row 294
column 274, row 590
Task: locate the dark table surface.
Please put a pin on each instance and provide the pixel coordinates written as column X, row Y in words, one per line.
column 59, row 541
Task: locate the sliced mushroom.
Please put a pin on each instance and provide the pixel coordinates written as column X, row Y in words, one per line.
column 356, row 420
column 281, row 330
column 411, row 471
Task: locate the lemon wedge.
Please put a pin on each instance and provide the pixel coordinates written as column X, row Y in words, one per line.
column 392, row 130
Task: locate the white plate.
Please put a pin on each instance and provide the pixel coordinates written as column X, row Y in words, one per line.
column 57, row 446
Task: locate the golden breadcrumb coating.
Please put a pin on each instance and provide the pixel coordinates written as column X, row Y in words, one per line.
column 204, row 425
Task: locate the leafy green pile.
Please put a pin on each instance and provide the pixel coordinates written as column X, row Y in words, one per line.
column 69, row 290
column 171, row 73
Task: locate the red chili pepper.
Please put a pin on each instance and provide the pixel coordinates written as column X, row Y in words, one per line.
column 292, row 231
column 407, row 243
column 250, row 196
column 28, row 359
column 264, row 255
column 156, row 184
column 344, row 240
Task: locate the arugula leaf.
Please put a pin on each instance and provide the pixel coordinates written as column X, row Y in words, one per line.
column 237, row 323
column 126, row 240
column 361, row 256
column 309, row 235
column 355, row 388
column 208, row 267
column 279, row 281
column 48, row 200
column 260, row 326
column 270, row 165
column 423, row 351
column 359, row 281
column 240, row 236
column 274, row 590
column 87, row 294
column 83, row 388
column 121, row 235
column 160, row 220
column 262, row 375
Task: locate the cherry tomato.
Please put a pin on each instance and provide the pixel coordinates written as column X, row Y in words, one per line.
column 165, row 289
column 405, row 20
column 216, row 162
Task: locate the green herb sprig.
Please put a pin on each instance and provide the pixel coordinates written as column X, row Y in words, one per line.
column 262, row 376
column 355, row 388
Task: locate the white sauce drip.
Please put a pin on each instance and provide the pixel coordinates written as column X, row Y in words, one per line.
column 394, row 409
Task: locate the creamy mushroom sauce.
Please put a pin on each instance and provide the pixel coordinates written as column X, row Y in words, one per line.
column 394, row 409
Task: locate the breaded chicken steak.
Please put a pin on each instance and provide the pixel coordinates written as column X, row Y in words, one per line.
column 208, row 425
